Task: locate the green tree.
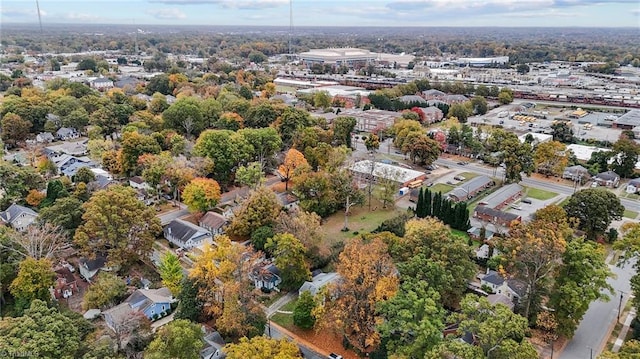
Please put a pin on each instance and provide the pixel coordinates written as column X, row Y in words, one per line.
column 261, row 347
column 55, row 190
column 184, row 116
column 500, row 332
column 372, row 142
column 321, row 99
column 595, row 208
column 264, row 143
column 551, row 158
column 625, row 157
column 262, row 115
column 421, row 148
column 290, row 259
column 65, row 212
column 479, row 105
column 15, row 182
column 201, row 194
column 261, row 236
column 88, row 64
column 171, row 273
column 580, row 281
column 460, row 111
column 180, row 339
column 189, row 304
column 291, row 121
column 34, row 278
column 117, row 225
column 505, row 96
column 303, row 311
column 106, row 291
column 225, row 148
column 43, row 331
column 562, row 132
column 211, row 111
column 260, row 209
column 250, row 175
column 414, row 320
column 135, row 145
column 85, row 175
column 342, row 129
column 159, row 84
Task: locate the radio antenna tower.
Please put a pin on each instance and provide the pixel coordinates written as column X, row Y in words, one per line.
column 39, row 16
column 290, row 25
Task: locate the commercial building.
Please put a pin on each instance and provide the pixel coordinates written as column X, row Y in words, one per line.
column 349, row 57
column 470, row 189
column 503, row 196
column 628, row 121
column 363, row 170
column 482, row 61
column 369, row 120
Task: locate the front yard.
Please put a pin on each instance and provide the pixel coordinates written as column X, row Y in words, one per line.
column 539, row 194
column 441, row 187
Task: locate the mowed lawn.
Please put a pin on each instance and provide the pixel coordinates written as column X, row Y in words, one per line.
column 441, row 187
column 361, row 220
column 539, row 194
column 630, row 214
column 285, row 319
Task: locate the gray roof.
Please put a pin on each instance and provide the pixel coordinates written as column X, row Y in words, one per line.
column 631, row 118
column 607, row 176
column 501, row 195
column 14, row 211
column 493, row 277
column 318, row 282
column 433, row 92
column 473, row 185
column 213, row 220
column 183, row 231
column 635, row 182
column 455, row 98
column 93, row 264
column 65, row 131
column 143, row 298
column 577, row 169
column 497, row 213
column 431, row 109
column 102, row 80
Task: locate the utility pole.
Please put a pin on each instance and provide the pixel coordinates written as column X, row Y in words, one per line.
column 290, row 26
column 620, row 304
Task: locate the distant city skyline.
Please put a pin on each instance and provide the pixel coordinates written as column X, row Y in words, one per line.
column 507, row 13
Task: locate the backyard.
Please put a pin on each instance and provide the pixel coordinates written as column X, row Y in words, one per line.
column 361, row 220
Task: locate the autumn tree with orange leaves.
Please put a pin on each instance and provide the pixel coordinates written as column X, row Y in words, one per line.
column 201, row 194
column 294, row 162
column 368, row 277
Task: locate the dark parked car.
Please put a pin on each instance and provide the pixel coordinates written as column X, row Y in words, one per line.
column 526, row 200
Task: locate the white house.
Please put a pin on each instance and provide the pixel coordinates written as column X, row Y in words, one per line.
column 185, row 235
column 18, row 217
column 512, row 289
column 138, row 182
column 633, row 186
column 265, row 276
column 318, row 282
column 67, row 133
column 90, row 267
column 102, row 84
column 45, row 137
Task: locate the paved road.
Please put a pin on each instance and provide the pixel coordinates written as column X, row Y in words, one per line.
column 593, row 331
column 165, row 218
column 307, row 353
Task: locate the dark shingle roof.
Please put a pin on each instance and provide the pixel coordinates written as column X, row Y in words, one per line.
column 500, row 196
column 493, row 277
column 212, row 220
column 93, row 264
column 608, row 176
column 182, row 231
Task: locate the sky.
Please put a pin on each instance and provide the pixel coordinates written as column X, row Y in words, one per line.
column 537, row 13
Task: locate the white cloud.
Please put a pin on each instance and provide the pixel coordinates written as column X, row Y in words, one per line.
column 11, row 12
column 167, row 14
column 81, row 17
column 231, row 4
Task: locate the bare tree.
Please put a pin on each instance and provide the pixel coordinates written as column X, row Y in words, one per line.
column 127, row 325
column 39, row 241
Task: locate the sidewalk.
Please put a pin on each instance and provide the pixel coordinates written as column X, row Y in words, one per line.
column 273, row 308
column 623, row 333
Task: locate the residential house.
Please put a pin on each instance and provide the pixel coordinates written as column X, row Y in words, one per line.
column 213, row 347
column 576, row 173
column 633, row 186
column 511, row 288
column 213, row 222
column 67, row 133
column 102, row 84
column 288, row 200
column 153, row 303
column 45, row 137
column 266, row 276
column 470, row 189
column 495, row 299
column 71, row 148
column 185, row 234
column 138, row 182
column 65, row 285
column 503, row 196
column 495, row 216
column 69, row 165
column 476, row 233
column 90, row 267
column 18, row 217
column 101, row 182
column 607, row 179
column 319, row 281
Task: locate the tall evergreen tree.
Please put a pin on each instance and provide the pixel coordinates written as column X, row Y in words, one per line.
column 420, row 204
column 428, row 197
column 437, row 202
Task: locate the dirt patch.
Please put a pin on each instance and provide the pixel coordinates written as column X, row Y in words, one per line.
column 323, row 342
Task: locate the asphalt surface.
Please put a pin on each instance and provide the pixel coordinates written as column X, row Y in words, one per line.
column 273, row 332
column 593, row 331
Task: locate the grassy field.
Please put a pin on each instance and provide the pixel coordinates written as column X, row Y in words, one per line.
column 441, row 187
column 540, row 194
column 361, row 220
column 285, row 319
column 630, row 214
column 468, row 176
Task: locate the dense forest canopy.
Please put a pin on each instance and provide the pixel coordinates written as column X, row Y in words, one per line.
column 520, row 44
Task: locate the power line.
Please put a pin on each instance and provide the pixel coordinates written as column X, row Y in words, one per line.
column 39, row 15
